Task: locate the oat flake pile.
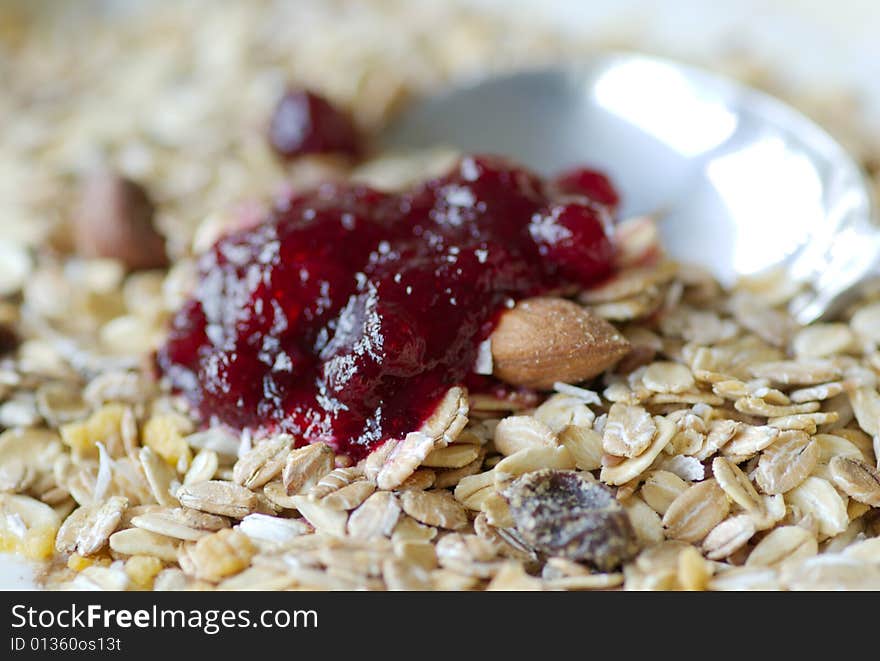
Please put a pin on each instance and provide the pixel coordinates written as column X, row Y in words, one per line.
column 721, row 447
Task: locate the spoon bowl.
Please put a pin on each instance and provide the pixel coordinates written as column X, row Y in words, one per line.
column 741, row 183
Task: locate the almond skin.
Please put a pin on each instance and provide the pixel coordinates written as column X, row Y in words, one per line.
column 543, row 340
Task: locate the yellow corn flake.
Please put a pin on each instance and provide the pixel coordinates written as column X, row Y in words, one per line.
column 142, row 569
column 222, row 554
column 35, row 544
column 102, row 425
column 76, row 562
column 27, row 527
column 164, row 436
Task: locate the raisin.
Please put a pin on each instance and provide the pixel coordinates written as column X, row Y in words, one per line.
column 560, row 513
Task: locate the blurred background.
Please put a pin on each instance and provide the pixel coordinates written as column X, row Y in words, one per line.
column 176, row 93
column 811, row 39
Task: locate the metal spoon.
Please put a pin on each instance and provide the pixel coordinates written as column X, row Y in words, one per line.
column 742, row 182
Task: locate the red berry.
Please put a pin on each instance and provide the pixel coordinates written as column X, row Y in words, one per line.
column 574, row 237
column 589, row 183
column 305, row 123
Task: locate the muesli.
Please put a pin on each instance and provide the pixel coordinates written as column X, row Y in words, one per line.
column 654, row 431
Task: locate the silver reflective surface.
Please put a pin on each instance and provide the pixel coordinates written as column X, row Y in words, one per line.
column 741, row 182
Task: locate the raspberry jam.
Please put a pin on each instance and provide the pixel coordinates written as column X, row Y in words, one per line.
column 346, row 315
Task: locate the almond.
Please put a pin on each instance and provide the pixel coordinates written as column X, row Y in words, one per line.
column 115, row 219
column 544, row 340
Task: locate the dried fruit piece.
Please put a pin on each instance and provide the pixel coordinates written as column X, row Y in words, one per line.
column 164, row 434
column 545, row 340
column 222, row 554
column 306, row 123
column 27, row 526
column 115, row 219
column 142, row 570
column 103, row 425
column 562, row 514
column 590, row 183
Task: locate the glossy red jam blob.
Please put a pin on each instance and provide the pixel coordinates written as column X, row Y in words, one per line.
column 305, row 123
column 346, row 315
